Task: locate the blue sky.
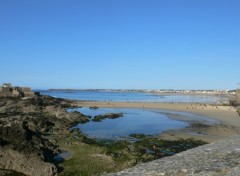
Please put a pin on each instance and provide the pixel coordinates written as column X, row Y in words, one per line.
column 179, row 44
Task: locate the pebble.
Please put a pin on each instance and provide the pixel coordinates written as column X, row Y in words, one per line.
column 184, row 170
column 237, row 149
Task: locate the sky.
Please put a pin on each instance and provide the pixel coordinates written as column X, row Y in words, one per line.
column 120, row 44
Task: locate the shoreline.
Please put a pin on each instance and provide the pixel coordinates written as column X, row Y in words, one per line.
column 46, row 120
column 227, row 94
column 226, row 115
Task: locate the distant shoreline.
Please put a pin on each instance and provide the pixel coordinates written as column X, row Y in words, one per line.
column 158, row 92
column 139, row 96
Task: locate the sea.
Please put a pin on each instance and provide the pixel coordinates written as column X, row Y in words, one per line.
column 133, row 96
column 134, row 121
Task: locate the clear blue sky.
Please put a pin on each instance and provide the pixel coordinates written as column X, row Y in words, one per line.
column 179, row 44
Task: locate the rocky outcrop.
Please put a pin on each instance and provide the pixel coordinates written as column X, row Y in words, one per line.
column 107, row 116
column 25, row 151
column 219, row 158
column 28, row 163
column 238, row 110
column 27, row 130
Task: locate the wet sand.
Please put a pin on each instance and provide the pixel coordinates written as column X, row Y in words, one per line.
column 227, row 115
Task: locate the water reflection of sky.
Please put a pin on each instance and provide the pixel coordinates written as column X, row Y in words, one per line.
column 132, row 97
column 133, row 121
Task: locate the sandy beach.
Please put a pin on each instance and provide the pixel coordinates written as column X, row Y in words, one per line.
column 226, row 115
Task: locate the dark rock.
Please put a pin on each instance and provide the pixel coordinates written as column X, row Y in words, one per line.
column 93, row 107
column 131, row 148
column 26, row 127
column 3, row 104
column 107, row 116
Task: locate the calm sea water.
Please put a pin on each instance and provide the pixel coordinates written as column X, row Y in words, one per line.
column 132, row 97
column 141, row 121
column 133, row 121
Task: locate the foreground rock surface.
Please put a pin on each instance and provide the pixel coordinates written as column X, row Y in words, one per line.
column 29, row 130
column 220, row 158
column 30, row 165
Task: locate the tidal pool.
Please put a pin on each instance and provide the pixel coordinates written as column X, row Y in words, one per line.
column 139, row 121
column 136, row 121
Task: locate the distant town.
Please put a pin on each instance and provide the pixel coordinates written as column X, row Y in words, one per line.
column 8, row 90
column 163, row 91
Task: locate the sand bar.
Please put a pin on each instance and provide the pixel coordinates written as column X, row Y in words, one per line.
column 225, row 114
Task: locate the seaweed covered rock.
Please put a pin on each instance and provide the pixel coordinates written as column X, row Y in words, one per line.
column 107, row 116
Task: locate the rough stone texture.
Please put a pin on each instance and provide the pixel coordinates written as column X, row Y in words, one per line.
column 28, row 131
column 8, row 91
column 220, row 158
column 14, row 160
column 238, row 96
column 238, row 110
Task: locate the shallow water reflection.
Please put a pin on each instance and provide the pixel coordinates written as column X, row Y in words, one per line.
column 133, row 121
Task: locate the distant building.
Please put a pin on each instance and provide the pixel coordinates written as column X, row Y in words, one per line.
column 7, row 90
column 7, row 85
column 238, row 96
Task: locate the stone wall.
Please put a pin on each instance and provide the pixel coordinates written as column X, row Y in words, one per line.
column 15, row 93
column 25, row 89
column 6, row 94
column 29, row 94
column 238, row 96
column 8, row 91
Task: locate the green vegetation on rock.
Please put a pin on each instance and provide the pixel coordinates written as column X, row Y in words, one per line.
column 107, row 116
column 34, row 131
column 95, row 157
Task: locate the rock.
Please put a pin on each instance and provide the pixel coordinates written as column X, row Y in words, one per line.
column 131, row 148
column 93, row 107
column 3, row 104
column 184, row 170
column 8, row 173
column 107, row 116
column 26, row 127
column 27, row 164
